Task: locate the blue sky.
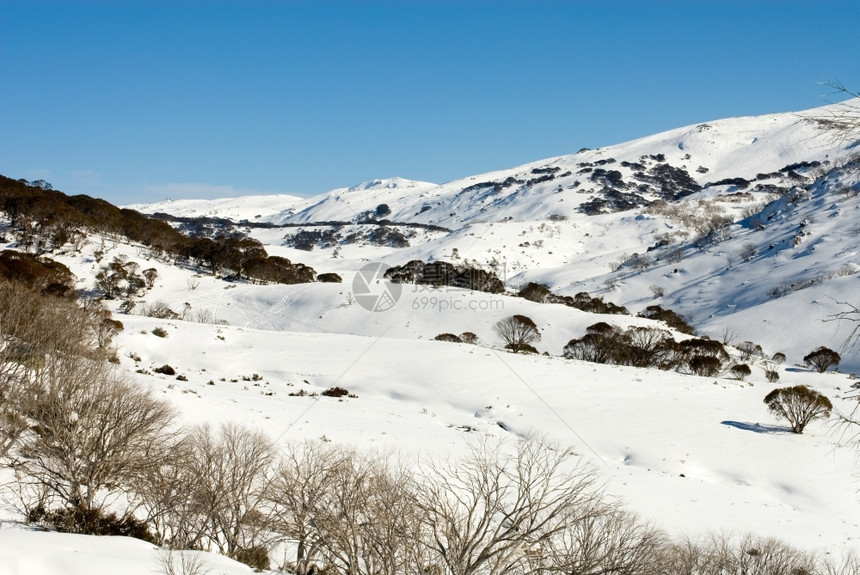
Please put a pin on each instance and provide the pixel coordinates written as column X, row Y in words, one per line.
column 138, row 101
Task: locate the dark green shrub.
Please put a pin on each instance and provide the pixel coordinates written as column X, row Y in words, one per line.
column 336, row 392
column 669, row 317
column 165, row 369
column 704, row 365
column 448, row 337
column 740, row 371
column 535, row 292
column 330, row 277
column 89, row 522
column 256, row 557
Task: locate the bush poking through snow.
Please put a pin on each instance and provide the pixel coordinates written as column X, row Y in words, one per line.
column 822, row 358
column 704, row 365
column 668, row 316
column 165, row 369
column 160, row 332
column 518, row 332
column 330, row 277
column 448, row 337
column 256, row 557
column 469, row 337
column 159, row 309
column 337, row 392
column 798, row 405
column 89, row 522
column 740, row 371
column 748, row 350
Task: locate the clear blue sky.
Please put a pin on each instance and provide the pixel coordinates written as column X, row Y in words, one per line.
column 137, row 101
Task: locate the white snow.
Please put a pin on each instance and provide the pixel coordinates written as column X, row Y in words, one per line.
column 691, row 454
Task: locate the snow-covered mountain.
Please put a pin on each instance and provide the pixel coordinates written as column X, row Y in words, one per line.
column 731, row 222
column 746, row 227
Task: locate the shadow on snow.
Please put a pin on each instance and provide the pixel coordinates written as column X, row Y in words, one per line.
column 757, row 427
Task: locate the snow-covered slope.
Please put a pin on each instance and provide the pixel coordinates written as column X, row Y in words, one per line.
column 746, row 148
column 251, row 208
column 766, row 256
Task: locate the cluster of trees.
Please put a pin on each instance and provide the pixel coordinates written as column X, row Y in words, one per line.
column 529, row 508
column 541, row 293
column 123, row 278
column 441, row 273
column 36, row 272
column 92, row 452
column 46, row 220
column 641, row 346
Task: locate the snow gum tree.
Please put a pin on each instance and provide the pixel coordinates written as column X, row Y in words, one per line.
column 518, row 332
column 798, row 405
column 821, row 358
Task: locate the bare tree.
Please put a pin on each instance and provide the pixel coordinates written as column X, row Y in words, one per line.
column 487, row 512
column 607, row 541
column 646, row 346
column 747, row 554
column 518, row 332
column 302, row 486
column 371, row 525
column 233, row 468
column 851, row 314
column 842, row 121
column 657, row 291
column 90, row 433
column 173, row 562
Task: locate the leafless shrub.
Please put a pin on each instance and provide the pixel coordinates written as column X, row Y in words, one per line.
column 370, row 524
column 37, row 331
column 729, row 335
column 640, row 262
column 657, row 291
column 749, row 350
column 674, row 255
column 748, row 251
column 841, row 122
column 159, row 309
column 302, row 485
column 233, row 466
column 81, row 410
column 490, row 512
column 720, row 555
column 204, row 316
column 173, row 562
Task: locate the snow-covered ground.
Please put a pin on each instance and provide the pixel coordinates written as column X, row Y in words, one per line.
column 691, row 454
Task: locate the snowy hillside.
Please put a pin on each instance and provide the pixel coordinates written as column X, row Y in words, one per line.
column 746, row 227
column 705, row 247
